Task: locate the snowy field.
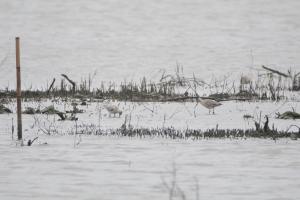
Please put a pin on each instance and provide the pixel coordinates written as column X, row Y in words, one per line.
column 154, row 115
column 113, row 168
column 117, row 40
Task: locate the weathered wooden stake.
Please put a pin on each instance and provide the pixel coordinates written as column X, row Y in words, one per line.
column 19, row 114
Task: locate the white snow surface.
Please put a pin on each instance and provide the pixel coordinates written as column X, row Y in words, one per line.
column 178, row 115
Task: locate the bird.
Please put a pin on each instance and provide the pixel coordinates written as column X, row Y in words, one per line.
column 209, row 104
column 245, row 82
column 112, row 109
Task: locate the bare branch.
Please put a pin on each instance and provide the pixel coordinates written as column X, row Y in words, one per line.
column 70, row 81
column 51, row 86
column 275, row 71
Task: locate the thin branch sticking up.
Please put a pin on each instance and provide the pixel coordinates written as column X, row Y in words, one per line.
column 51, row 86
column 30, row 142
column 70, row 81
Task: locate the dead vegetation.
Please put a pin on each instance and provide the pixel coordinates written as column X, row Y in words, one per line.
column 194, row 134
column 269, row 85
column 4, row 110
column 31, row 111
column 288, row 115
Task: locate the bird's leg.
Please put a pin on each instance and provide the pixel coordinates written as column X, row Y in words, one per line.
column 209, row 111
column 213, row 111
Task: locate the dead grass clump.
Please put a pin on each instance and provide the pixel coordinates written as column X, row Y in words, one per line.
column 4, row 110
column 270, row 85
column 288, row 115
column 194, row 134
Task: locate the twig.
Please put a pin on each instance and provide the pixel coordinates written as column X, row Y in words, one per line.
column 29, row 143
column 51, row 86
column 12, row 128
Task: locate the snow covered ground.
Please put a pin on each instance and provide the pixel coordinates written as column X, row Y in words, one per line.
column 156, row 115
column 113, row 167
column 125, row 40
column 103, row 167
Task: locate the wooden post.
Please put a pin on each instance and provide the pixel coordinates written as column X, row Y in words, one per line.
column 19, row 114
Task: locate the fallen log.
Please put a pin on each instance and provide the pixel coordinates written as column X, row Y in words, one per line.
column 288, row 115
column 275, row 71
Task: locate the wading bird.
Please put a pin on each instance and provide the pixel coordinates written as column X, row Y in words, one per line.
column 209, row 104
column 112, row 109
